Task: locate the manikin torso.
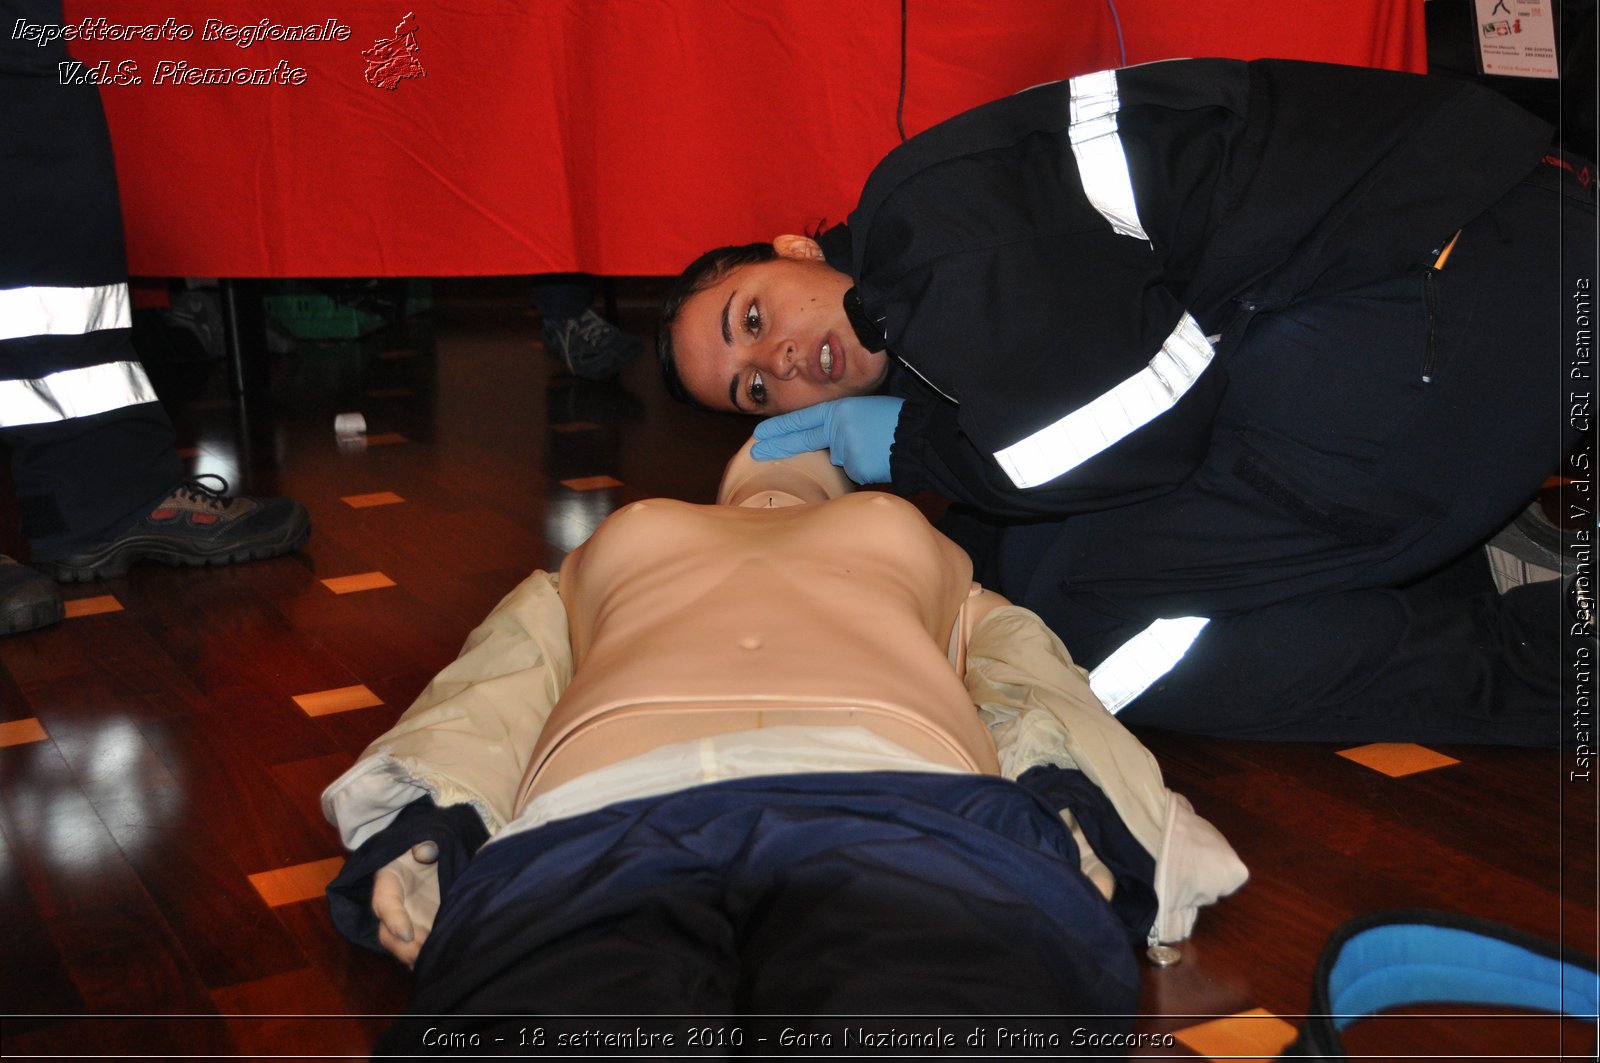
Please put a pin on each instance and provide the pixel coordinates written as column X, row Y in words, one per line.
column 690, row 620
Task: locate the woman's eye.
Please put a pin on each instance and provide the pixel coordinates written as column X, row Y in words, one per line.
column 752, row 320
column 758, row 390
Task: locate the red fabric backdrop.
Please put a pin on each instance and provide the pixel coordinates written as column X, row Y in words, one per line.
column 612, row 136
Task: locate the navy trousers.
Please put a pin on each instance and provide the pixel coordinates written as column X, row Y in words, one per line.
column 809, row 895
column 1368, row 441
column 80, row 478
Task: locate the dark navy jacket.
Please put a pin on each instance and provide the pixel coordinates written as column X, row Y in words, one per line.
column 1067, row 308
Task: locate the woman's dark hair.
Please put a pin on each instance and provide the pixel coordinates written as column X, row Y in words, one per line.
column 704, row 272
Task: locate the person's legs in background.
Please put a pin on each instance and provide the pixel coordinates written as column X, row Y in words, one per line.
column 587, row 344
column 99, row 483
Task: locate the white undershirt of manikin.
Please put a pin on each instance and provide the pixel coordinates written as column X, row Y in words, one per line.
column 790, row 750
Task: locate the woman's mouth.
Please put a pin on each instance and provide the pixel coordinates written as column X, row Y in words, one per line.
column 831, row 359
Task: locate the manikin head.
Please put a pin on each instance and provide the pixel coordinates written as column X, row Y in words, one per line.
column 808, row 477
column 763, row 330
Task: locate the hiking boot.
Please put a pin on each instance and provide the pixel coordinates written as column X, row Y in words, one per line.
column 195, row 525
column 590, row 346
column 28, row 599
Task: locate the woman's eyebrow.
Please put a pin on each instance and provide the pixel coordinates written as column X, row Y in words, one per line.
column 727, row 338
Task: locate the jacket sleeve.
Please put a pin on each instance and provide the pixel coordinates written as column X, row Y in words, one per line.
column 467, row 738
column 1041, row 712
column 1075, row 391
column 1058, row 366
column 933, row 451
column 1067, row 269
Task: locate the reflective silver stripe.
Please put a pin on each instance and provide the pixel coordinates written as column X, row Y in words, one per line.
column 1143, row 659
column 73, row 393
column 63, row 311
column 1096, row 144
column 1131, row 405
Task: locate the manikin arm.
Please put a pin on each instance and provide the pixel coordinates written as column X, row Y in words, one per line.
column 464, row 742
column 468, row 737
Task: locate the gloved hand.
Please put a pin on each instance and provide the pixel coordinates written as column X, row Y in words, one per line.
column 857, row 432
column 405, row 898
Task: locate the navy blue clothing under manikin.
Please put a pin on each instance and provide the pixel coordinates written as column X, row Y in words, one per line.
column 895, row 893
column 456, row 829
column 1191, row 341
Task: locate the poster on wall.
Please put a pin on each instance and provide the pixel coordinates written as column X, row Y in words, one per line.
column 1517, row 38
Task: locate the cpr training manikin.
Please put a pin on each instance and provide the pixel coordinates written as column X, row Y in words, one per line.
column 796, row 629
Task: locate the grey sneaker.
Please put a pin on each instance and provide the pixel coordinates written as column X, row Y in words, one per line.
column 590, row 346
column 1534, row 538
column 28, row 599
column 195, row 525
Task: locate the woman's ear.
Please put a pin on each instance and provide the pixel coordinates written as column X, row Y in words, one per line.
column 792, row 246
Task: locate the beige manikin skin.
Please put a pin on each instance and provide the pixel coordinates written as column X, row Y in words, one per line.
column 794, row 601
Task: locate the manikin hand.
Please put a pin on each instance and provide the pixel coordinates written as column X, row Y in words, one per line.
column 405, row 898
column 857, row 432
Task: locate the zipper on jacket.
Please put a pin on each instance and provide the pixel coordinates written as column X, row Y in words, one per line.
column 1432, row 301
column 931, row 384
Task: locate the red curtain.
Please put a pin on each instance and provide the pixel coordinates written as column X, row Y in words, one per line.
column 612, row 136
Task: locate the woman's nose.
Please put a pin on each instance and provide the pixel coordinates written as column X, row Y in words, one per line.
column 784, row 359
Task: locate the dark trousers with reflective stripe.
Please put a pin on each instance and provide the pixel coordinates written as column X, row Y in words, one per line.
column 1369, row 440
column 79, row 481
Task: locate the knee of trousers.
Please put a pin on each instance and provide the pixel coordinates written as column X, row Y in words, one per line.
column 1254, row 674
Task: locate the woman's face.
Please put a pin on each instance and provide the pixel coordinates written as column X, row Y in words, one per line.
column 770, row 337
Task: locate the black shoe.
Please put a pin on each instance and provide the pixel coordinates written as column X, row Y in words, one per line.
column 195, row 525
column 590, row 346
column 28, row 599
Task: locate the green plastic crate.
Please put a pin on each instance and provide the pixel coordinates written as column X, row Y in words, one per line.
column 321, row 317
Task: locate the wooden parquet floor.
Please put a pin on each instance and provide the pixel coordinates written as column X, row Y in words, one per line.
column 162, row 751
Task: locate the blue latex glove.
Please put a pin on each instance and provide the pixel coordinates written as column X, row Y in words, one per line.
column 857, row 433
